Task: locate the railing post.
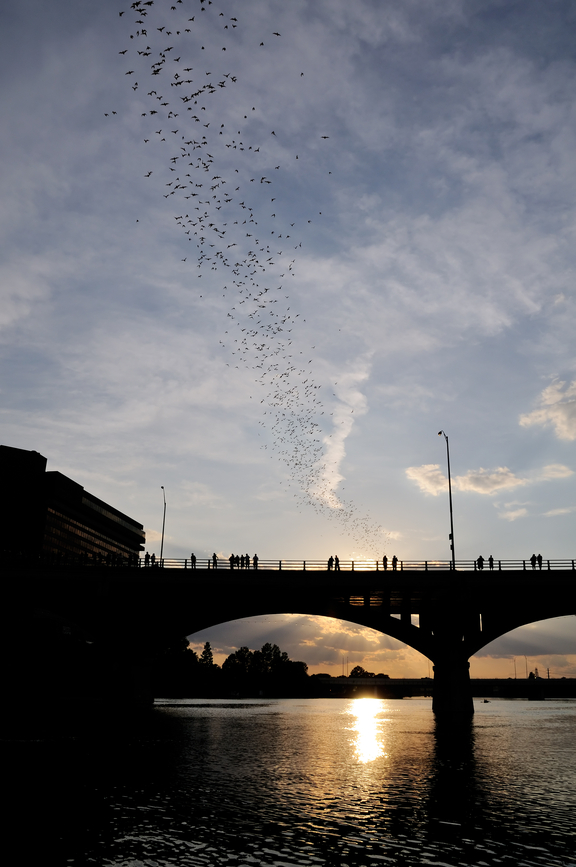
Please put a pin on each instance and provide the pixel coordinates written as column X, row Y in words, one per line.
column 572, row 565
column 279, row 565
column 499, row 565
column 376, row 565
column 425, row 565
column 548, row 564
column 401, row 565
column 524, row 564
column 185, row 564
column 352, row 565
column 304, row 565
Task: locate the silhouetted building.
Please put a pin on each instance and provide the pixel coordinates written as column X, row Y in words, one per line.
column 47, row 514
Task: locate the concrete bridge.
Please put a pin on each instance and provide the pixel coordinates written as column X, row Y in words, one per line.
column 128, row 612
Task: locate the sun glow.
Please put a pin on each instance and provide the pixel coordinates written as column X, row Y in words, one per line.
column 367, row 743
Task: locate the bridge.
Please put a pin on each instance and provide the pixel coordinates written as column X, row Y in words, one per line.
column 128, row 612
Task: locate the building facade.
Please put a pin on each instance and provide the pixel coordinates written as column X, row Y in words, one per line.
column 46, row 514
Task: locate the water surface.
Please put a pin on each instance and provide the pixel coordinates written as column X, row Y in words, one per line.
column 314, row 782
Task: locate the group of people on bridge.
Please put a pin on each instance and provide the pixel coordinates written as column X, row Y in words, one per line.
column 238, row 561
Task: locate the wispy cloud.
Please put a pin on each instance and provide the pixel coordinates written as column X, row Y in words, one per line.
column 554, row 512
column 557, row 407
column 351, row 404
column 431, row 480
column 514, row 514
column 489, row 481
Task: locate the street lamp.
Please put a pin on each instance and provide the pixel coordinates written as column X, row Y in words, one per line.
column 163, row 524
column 441, row 433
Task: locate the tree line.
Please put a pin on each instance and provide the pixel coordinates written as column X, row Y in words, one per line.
column 181, row 672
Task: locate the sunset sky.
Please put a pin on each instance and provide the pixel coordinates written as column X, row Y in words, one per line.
column 261, row 252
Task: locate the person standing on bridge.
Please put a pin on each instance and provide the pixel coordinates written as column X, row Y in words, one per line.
column 385, row 562
column 491, row 562
column 192, row 561
column 336, row 563
column 231, row 560
column 214, row 561
column 147, row 559
column 330, row 563
column 533, row 559
column 394, row 562
column 247, row 561
column 539, row 558
column 255, row 560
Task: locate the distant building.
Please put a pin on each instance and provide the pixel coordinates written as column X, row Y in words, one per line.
column 46, row 514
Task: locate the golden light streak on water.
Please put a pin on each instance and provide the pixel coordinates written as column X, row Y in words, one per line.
column 368, row 728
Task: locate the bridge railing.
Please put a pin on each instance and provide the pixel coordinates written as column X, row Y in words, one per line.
column 356, row 565
column 362, row 565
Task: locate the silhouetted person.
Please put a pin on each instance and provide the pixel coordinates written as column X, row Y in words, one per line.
column 533, row 560
column 214, row 561
column 147, row 559
column 491, row 562
column 539, row 558
column 242, row 561
column 153, row 559
column 385, row 562
column 480, row 562
column 192, row 561
column 255, row 560
column 231, row 559
column 237, row 561
column 247, row 560
column 394, row 562
column 336, row 563
column 330, row 563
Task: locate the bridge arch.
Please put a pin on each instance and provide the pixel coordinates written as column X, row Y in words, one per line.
column 300, row 633
column 562, row 643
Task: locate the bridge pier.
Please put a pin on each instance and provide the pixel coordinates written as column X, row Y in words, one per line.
column 452, row 687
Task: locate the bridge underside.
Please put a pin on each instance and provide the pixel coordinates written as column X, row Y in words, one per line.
column 447, row 616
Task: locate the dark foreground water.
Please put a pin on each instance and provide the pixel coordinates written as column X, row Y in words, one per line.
column 290, row 782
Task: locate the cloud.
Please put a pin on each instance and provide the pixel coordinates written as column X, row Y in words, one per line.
column 488, row 481
column 514, row 514
column 428, row 478
column 557, row 408
column 352, row 404
column 431, row 480
column 553, row 471
column 554, row 512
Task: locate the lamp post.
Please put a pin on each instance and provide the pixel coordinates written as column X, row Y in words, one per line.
column 163, row 525
column 441, row 433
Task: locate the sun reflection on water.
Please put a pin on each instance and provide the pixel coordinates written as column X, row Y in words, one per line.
column 367, row 743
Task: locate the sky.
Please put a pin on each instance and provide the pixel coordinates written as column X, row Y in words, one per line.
column 261, row 252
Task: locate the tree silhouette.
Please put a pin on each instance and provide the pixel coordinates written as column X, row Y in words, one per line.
column 358, row 671
column 206, row 657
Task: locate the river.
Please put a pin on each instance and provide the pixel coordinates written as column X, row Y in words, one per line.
column 280, row 783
